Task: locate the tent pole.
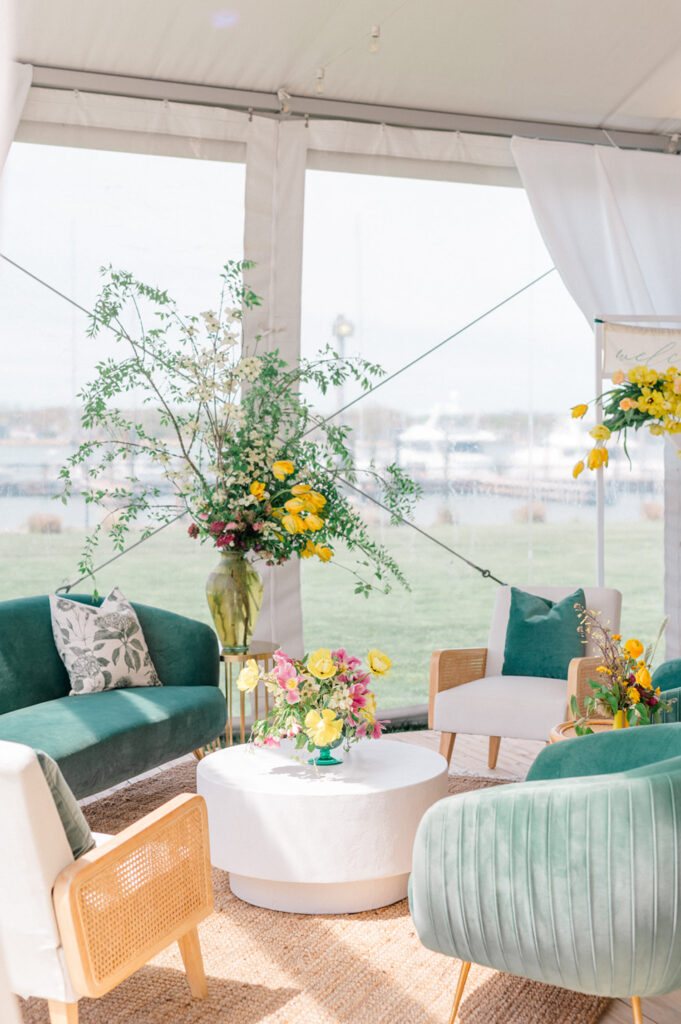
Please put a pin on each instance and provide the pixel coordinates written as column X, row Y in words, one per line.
column 600, row 479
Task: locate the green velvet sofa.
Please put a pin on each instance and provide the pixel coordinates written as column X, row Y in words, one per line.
column 101, row 739
column 571, row 878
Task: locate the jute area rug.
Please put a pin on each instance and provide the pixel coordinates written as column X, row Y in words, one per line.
column 265, row 967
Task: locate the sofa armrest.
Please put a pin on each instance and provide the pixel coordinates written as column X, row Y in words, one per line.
column 454, row 668
column 123, row 902
column 580, row 670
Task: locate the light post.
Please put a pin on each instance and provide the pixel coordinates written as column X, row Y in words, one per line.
column 342, row 329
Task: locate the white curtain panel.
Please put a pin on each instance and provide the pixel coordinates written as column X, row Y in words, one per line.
column 15, row 81
column 608, row 217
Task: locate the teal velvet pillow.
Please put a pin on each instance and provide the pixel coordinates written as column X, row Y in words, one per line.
column 542, row 636
column 76, row 827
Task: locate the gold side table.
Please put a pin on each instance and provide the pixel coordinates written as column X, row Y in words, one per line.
column 566, row 730
column 262, row 652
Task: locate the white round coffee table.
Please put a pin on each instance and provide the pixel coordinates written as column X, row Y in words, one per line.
column 319, row 840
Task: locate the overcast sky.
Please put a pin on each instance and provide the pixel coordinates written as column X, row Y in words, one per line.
column 406, row 261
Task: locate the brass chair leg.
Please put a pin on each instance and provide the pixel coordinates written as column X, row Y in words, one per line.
column 447, row 745
column 636, row 1007
column 494, row 742
column 460, row 985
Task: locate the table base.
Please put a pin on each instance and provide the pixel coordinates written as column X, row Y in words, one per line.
column 320, row 897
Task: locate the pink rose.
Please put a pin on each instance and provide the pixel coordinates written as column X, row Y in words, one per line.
column 292, row 697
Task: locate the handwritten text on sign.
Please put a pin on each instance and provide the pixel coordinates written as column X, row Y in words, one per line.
column 625, row 346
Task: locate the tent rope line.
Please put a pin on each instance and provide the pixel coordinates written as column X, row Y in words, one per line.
column 485, row 573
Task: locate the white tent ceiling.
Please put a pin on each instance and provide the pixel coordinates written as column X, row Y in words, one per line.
column 611, row 63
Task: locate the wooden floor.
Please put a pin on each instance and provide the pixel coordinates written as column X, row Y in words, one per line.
column 515, row 758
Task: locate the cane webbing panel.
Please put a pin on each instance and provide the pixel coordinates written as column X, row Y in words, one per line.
column 131, row 904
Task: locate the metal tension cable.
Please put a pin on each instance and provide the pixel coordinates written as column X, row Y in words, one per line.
column 485, row 573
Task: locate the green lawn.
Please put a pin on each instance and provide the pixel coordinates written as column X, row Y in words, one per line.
column 449, row 604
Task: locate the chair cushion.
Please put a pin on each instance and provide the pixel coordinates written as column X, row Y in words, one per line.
column 542, row 636
column 519, row 707
column 102, row 647
column 76, row 827
column 104, row 738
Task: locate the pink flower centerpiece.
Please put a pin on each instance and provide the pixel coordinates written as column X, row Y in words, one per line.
column 318, row 701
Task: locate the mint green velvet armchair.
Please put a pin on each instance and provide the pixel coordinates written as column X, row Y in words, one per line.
column 571, row 878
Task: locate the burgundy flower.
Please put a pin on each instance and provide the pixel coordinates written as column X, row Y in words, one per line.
column 222, row 541
column 193, row 530
column 216, row 527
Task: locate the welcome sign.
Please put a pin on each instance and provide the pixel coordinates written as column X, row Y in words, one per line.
column 626, row 346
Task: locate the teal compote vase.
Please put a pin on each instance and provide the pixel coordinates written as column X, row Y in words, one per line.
column 324, row 757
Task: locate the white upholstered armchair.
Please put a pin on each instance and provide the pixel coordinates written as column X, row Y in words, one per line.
column 468, row 693
column 73, row 928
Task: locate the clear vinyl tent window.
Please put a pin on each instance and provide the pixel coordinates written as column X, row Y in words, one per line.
column 391, row 266
column 64, row 212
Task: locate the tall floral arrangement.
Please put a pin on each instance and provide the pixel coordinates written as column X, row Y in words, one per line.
column 640, row 398
column 234, row 435
column 624, row 687
column 319, row 700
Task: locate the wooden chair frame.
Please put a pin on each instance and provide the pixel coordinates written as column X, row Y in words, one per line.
column 457, row 667
column 125, row 901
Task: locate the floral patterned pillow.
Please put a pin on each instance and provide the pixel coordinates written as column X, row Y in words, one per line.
column 103, row 648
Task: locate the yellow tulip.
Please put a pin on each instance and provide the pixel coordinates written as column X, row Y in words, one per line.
column 643, row 678
column 594, row 458
column 578, row 411
column 634, row 648
column 604, row 457
column 294, row 505
column 600, row 432
column 323, row 728
column 309, row 550
column 313, row 522
column 249, row 675
column 301, row 489
column 578, row 468
column 318, row 500
column 292, row 523
column 257, row 490
column 378, row 662
column 633, row 695
column 321, row 664
column 323, row 553
column 282, row 469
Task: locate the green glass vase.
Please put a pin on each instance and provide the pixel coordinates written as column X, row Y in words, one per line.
column 234, row 593
column 324, row 756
